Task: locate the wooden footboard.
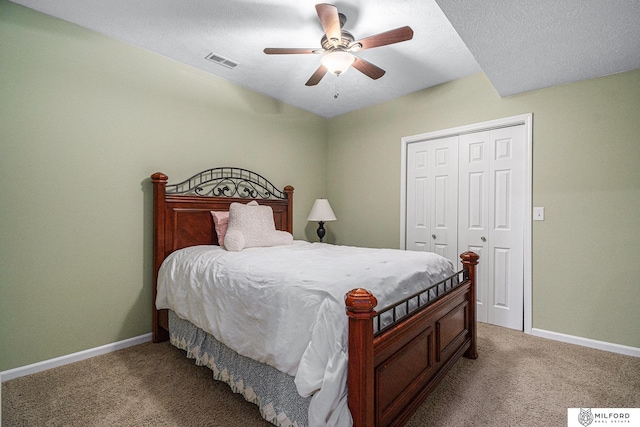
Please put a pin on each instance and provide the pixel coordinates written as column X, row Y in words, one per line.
column 393, row 370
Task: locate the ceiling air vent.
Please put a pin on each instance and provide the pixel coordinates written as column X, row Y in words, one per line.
column 221, row 60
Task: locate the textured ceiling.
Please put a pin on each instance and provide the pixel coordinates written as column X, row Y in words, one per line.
column 520, row 46
column 528, row 45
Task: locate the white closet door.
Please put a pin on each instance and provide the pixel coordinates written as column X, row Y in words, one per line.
column 473, row 218
column 492, row 182
column 432, row 197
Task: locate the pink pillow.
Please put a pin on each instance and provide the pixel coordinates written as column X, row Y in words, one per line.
column 221, row 222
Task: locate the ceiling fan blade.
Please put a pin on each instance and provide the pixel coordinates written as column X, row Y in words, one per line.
column 317, row 76
column 388, row 37
column 290, row 50
column 368, row 69
column 330, row 22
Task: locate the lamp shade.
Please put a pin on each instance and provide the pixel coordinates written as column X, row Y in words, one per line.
column 337, row 62
column 321, row 211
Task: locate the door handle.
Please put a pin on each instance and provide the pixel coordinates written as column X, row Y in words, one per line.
column 433, row 236
column 484, row 239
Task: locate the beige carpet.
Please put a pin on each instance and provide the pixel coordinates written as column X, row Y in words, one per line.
column 518, row 380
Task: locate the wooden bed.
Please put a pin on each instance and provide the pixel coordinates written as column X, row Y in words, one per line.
column 390, row 371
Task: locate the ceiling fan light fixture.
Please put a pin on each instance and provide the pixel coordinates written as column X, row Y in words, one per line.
column 338, row 46
column 338, row 61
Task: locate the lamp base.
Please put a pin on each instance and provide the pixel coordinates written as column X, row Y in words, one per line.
column 321, row 231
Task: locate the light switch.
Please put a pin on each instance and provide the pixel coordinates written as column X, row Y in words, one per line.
column 538, row 214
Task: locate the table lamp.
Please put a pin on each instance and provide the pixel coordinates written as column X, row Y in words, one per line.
column 321, row 212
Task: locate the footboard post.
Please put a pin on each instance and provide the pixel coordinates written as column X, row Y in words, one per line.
column 360, row 305
column 469, row 262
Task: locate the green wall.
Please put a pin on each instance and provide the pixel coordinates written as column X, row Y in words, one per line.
column 84, row 121
column 586, row 173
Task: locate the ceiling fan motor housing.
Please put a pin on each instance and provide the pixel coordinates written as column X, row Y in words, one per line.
column 347, row 39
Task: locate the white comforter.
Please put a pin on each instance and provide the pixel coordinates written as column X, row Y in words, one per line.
column 284, row 305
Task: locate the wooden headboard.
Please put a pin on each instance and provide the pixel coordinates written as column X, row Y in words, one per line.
column 182, row 215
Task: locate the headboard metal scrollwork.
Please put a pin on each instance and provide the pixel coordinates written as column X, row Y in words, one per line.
column 227, row 182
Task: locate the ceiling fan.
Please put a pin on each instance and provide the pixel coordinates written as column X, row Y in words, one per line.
column 339, row 45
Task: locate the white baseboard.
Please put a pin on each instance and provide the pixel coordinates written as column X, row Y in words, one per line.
column 74, row 357
column 586, row 342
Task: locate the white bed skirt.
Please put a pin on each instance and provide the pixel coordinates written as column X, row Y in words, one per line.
column 273, row 391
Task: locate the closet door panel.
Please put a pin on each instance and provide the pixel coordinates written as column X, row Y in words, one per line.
column 473, row 225
column 443, row 197
column 432, row 196
column 418, row 221
column 506, row 285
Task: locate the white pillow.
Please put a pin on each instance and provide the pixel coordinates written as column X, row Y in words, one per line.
column 252, row 225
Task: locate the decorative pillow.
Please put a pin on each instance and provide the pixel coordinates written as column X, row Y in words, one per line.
column 221, row 221
column 252, row 225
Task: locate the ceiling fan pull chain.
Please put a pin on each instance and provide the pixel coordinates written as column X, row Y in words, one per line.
column 337, row 90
